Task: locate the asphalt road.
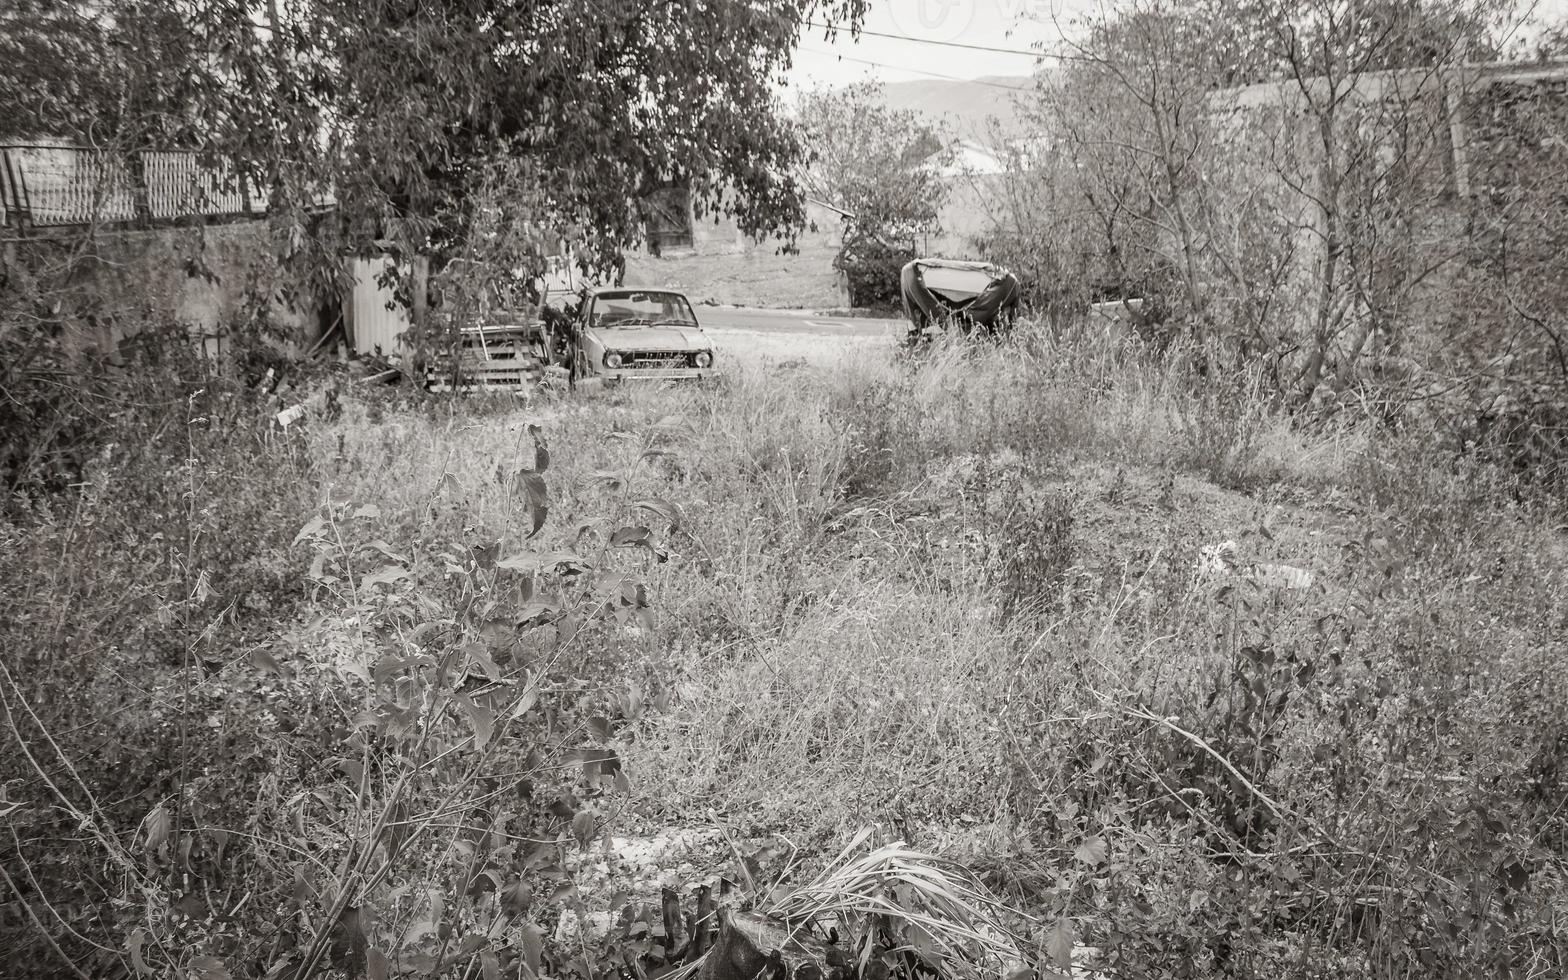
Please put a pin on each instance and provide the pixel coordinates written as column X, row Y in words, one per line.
column 765, row 322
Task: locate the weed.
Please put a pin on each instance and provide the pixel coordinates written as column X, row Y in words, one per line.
column 394, row 672
column 1220, row 427
column 881, row 426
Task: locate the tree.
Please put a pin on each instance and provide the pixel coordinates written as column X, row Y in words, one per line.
column 1374, row 86
column 1132, row 110
column 1299, row 214
column 1040, row 222
column 101, row 75
column 883, row 168
column 393, row 107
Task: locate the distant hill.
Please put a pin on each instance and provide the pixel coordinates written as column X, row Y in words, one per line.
column 965, row 106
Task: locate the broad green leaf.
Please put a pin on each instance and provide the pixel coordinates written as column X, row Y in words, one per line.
column 631, row 536
column 532, row 486
column 535, row 612
column 480, row 718
column 517, row 897
column 1059, row 944
column 554, row 561
column 663, row 508
column 382, row 547
column 209, row 968
column 523, row 561
column 318, row 570
column 159, row 823
column 385, row 576
column 584, row 825
column 524, row 703
column 532, row 944
column 1091, row 851
column 312, row 528
column 133, row 945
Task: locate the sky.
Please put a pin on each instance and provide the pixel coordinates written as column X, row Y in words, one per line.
column 1017, row 25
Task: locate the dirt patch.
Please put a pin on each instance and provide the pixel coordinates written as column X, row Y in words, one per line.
column 818, row 350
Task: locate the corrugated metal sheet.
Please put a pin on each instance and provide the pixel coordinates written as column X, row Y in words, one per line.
column 374, row 327
column 10, row 194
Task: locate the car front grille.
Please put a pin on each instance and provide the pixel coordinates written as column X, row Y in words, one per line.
column 657, row 359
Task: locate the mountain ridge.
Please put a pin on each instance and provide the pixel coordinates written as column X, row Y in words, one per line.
column 979, row 109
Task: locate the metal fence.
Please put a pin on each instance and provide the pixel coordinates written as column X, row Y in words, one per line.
column 53, row 185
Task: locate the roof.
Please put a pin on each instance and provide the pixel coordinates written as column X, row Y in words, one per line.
column 970, row 157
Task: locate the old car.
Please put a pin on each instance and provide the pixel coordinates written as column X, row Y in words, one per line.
column 953, row 292
column 619, row 334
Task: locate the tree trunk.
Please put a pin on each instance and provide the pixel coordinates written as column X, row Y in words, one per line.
column 1172, row 169
column 419, row 295
column 755, row 947
column 1328, row 204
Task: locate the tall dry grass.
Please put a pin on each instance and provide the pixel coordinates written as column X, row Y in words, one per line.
column 965, row 595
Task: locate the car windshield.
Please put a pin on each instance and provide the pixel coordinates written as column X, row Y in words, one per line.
column 641, row 309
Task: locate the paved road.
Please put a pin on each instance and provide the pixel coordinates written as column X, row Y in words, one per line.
column 725, row 318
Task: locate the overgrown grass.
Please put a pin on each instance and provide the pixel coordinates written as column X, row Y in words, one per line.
column 958, row 597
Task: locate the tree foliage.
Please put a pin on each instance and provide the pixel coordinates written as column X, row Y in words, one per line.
column 883, row 167
column 392, row 108
column 880, row 164
column 103, row 76
column 1282, row 173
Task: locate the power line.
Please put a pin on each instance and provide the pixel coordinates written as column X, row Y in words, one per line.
column 917, row 71
column 927, row 40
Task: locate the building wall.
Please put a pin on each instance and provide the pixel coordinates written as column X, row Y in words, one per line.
column 973, row 207
column 723, row 266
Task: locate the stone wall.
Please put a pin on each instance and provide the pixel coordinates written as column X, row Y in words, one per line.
column 723, row 266
column 122, row 279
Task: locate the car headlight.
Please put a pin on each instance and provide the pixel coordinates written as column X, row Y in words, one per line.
column 612, row 359
column 704, row 358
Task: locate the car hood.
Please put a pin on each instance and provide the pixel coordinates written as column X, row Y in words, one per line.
column 651, row 338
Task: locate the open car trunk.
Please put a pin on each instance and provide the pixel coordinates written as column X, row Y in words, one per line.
column 969, row 293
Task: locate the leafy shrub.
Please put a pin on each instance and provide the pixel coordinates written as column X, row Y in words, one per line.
column 343, row 766
column 872, row 268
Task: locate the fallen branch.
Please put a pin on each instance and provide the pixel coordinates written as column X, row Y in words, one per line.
column 1198, row 740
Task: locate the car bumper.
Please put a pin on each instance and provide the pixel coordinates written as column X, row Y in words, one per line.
column 655, row 374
